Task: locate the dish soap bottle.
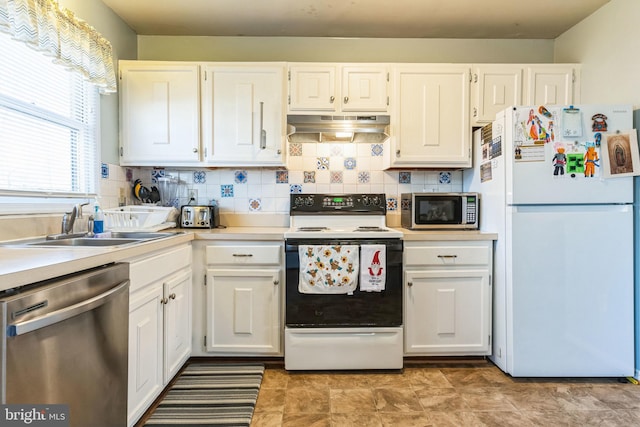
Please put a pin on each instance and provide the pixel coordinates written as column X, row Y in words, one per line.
column 98, row 219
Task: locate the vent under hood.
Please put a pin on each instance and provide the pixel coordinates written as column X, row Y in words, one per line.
column 317, row 128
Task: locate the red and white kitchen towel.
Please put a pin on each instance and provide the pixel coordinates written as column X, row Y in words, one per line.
column 373, row 266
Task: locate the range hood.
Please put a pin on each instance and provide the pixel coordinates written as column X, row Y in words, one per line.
column 320, row 128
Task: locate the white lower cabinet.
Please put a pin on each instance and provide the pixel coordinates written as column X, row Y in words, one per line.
column 159, row 324
column 244, row 299
column 447, row 298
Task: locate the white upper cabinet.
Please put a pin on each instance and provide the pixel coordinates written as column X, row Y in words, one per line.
column 430, row 119
column 338, row 88
column 494, row 88
column 498, row 86
column 243, row 114
column 159, row 113
column 552, row 84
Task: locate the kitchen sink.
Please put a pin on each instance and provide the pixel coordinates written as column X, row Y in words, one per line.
column 117, row 238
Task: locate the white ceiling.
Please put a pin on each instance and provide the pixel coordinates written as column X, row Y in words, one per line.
column 523, row 19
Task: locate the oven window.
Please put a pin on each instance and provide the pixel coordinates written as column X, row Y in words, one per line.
column 438, row 210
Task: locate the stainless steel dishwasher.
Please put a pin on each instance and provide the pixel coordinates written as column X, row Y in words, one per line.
column 65, row 341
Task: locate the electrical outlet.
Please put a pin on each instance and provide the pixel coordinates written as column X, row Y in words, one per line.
column 193, row 195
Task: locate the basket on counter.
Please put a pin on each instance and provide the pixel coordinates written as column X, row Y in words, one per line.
column 135, row 217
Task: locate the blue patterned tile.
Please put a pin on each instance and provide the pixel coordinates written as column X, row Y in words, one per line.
column 309, row 177
column 404, row 177
column 377, row 149
column 444, row 178
column 323, row 163
column 392, row 204
column 226, row 190
column 199, row 177
column 349, row 163
column 295, row 149
column 241, row 177
column 104, row 170
column 282, row 177
column 295, row 188
column 364, row 177
column 255, row 204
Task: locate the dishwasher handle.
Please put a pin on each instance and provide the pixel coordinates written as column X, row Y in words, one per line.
column 58, row 316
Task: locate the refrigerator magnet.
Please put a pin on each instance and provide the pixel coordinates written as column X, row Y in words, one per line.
column 620, row 155
column 599, row 123
column 571, row 122
column 559, row 160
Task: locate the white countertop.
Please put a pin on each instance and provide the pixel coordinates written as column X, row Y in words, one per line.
column 21, row 266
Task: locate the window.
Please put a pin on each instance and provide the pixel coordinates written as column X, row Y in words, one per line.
column 48, row 127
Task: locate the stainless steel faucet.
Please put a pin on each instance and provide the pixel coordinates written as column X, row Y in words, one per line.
column 69, row 218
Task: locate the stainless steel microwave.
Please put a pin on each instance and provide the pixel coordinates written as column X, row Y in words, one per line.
column 438, row 211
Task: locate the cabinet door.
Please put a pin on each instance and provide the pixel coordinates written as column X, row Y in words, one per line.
column 496, row 88
column 177, row 322
column 243, row 311
column 432, row 117
column 145, row 350
column 447, row 312
column 243, row 115
column 159, row 114
column 312, row 88
column 550, row 85
column 364, row 88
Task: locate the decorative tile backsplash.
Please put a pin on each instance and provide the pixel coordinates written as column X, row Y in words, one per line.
column 313, row 168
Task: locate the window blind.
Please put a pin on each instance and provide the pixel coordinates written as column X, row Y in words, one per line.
column 48, row 129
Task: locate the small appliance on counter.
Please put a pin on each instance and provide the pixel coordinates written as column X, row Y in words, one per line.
column 199, row 216
column 435, row 211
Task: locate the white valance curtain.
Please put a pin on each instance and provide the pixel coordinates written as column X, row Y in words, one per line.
column 43, row 25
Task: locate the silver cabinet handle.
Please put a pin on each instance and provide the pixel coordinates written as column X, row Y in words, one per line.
column 397, row 153
column 346, row 99
column 409, row 284
column 276, row 282
column 172, row 296
column 263, row 133
column 447, row 256
column 242, row 255
column 65, row 313
column 332, row 98
column 195, row 150
column 164, row 301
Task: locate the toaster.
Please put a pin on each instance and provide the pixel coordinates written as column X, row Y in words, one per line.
column 199, row 216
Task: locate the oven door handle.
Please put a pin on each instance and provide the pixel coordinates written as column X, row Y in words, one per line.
column 65, row 313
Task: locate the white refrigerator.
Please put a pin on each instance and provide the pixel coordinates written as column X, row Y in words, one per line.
column 563, row 275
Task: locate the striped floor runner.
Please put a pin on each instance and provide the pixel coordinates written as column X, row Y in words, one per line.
column 210, row 394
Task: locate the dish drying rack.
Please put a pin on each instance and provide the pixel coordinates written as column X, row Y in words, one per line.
column 138, row 218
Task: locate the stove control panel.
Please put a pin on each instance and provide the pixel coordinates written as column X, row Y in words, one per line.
column 356, row 204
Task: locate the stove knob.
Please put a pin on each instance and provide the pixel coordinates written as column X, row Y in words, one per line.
column 376, row 201
column 298, row 201
column 365, row 200
column 308, row 201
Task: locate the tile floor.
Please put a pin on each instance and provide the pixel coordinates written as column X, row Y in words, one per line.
column 441, row 393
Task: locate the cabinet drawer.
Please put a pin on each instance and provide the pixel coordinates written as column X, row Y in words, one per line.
column 156, row 267
column 247, row 255
column 447, row 255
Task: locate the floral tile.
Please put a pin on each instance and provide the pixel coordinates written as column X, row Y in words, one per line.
column 226, row 190
column 309, row 177
column 104, row 170
column 444, row 178
column 404, row 177
column 282, row 177
column 255, row 204
column 377, row 149
column 323, row 163
column 155, row 174
column 364, row 177
column 241, row 177
column 129, row 174
column 337, row 177
column 295, row 188
column 295, row 149
column 392, row 204
column 200, row 177
column 349, row 163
